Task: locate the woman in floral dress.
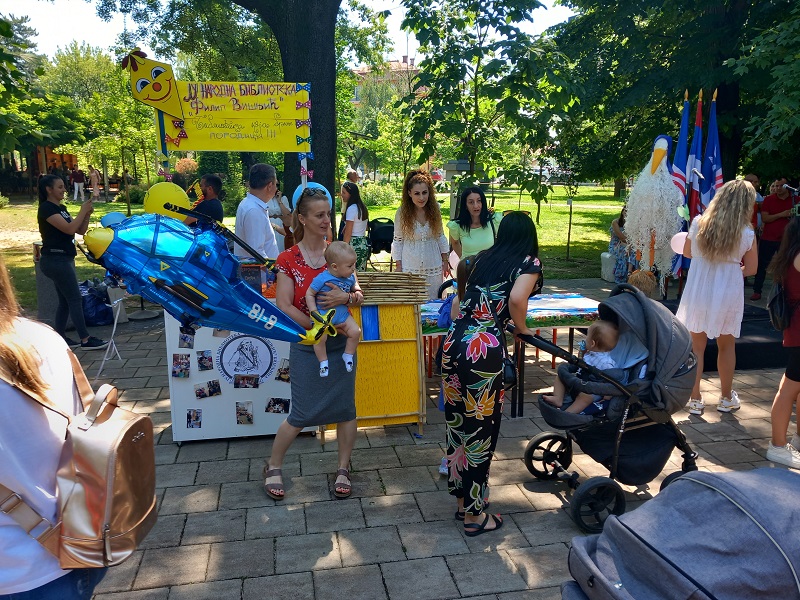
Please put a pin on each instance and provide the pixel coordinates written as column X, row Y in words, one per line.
column 506, row 275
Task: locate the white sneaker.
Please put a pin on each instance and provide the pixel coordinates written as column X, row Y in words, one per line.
column 696, row 407
column 443, row 469
column 795, row 441
column 727, row 406
column 786, row 455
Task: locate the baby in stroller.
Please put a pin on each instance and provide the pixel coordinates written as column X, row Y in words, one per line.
column 601, row 339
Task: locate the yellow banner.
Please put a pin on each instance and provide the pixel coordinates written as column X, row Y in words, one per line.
column 239, row 117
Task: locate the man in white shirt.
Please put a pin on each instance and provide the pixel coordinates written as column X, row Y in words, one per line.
column 252, row 216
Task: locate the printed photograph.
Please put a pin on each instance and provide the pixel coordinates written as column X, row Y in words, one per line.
column 185, row 340
column 180, row 365
column 283, row 371
column 194, row 418
column 214, row 388
column 278, row 405
column 223, row 333
column 205, row 360
column 244, row 413
column 201, row 390
column 248, row 382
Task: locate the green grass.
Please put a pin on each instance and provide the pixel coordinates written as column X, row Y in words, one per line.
column 593, row 210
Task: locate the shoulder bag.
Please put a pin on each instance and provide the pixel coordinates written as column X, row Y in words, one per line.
column 509, row 366
column 779, row 308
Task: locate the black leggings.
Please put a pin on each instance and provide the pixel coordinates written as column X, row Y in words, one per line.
column 61, row 269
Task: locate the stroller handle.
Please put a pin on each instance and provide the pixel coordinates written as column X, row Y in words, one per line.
column 550, row 348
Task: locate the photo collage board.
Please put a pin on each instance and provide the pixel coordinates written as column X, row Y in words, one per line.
column 225, row 384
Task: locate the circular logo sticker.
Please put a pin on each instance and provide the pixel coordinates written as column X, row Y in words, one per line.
column 246, row 354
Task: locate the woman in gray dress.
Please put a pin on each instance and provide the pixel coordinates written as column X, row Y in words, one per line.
column 314, row 401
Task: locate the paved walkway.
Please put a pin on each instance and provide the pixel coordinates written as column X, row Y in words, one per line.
column 220, row 537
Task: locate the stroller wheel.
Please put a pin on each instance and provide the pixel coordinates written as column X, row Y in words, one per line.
column 544, row 450
column 594, row 501
column 669, row 479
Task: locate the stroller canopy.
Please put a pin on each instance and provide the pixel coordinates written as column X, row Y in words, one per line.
column 707, row 535
column 668, row 343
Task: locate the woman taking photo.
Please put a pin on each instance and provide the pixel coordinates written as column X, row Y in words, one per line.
column 505, row 276
column 57, row 261
column 420, row 245
column 721, row 245
column 315, row 401
column 356, row 217
column 34, row 357
column 475, row 228
column 785, row 269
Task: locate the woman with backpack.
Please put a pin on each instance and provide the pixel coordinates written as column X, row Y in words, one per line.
column 721, row 244
column 785, row 269
column 33, row 357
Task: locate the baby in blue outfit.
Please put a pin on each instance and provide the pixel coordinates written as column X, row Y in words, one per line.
column 341, row 259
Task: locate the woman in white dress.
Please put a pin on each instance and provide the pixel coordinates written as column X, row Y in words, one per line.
column 720, row 244
column 280, row 216
column 420, row 245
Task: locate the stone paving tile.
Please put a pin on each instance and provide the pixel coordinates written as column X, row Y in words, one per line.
column 489, row 572
column 290, row 468
column 390, row 510
column 374, row 458
column 213, row 590
column 353, row 583
column 165, row 533
column 294, row 586
column 172, row 566
column 249, row 448
column 307, row 553
column 334, row 516
column 506, row 499
column 249, row 558
column 407, row 480
column 546, row 495
column 332, row 445
column 174, row 475
column 138, row 394
column 317, row 463
column 152, row 406
column 508, row 537
column 153, row 594
column 542, row 566
column 370, row 546
column 720, row 432
column 166, row 455
column 415, row 456
column 520, row 427
column 365, row 484
column 244, row 494
column 189, row 499
column 200, row 451
column 313, row 488
column 120, row 578
column 389, row 436
column 505, row 472
column 273, row 521
column 223, row 471
column 219, row 526
column 509, row 448
column 436, row 506
column 731, row 452
column 551, row 593
column 546, row 527
column 755, row 428
column 426, row 579
column 438, row 538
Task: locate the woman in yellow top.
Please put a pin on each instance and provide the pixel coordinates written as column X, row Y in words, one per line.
column 475, row 228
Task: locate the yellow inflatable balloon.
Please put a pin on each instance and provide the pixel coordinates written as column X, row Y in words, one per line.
column 162, row 193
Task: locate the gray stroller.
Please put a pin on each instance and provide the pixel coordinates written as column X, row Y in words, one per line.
column 635, row 436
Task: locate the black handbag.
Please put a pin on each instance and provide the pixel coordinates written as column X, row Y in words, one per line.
column 509, row 366
column 779, row 308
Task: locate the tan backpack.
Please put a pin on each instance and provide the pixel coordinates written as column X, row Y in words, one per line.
column 105, row 483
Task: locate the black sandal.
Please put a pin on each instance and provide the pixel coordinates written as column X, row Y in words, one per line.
column 459, row 516
column 475, row 529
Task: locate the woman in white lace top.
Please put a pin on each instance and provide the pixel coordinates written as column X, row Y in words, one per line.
column 420, row 245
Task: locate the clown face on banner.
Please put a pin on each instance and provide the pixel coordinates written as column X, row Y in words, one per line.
column 153, row 83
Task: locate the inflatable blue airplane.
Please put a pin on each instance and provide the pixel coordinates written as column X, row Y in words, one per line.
column 193, row 275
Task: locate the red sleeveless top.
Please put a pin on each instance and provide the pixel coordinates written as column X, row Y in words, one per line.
column 791, row 336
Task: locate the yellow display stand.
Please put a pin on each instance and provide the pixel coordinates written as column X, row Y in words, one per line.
column 390, row 378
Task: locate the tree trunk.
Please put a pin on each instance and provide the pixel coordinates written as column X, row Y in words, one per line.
column 619, row 185
column 304, row 30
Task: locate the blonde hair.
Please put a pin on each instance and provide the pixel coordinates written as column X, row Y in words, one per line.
column 339, row 251
column 605, row 334
column 19, row 361
column 720, row 226
column 407, row 213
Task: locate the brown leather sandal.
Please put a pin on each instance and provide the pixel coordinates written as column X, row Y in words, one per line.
column 346, row 488
column 273, row 488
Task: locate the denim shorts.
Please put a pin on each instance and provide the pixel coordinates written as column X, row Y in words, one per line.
column 78, row 584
